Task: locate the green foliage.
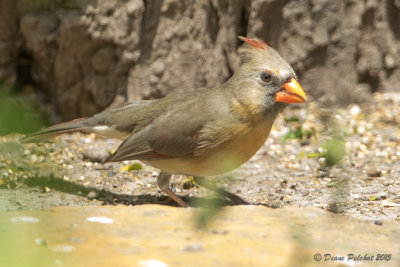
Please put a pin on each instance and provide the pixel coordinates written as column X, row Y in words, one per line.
column 315, row 155
column 17, row 114
column 297, row 130
column 334, row 151
column 133, row 167
column 292, row 119
column 298, row 133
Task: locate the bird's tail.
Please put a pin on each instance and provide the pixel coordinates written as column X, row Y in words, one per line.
column 77, row 125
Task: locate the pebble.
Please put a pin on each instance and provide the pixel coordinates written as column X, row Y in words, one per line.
column 95, row 153
column 373, row 172
column 354, row 110
column 91, row 195
column 103, row 220
column 152, row 263
column 196, row 247
column 219, row 232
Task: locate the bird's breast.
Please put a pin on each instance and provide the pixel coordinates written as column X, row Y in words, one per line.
column 241, row 142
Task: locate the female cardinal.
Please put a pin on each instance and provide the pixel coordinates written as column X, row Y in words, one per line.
column 199, row 133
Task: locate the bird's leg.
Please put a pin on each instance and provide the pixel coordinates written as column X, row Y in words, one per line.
column 163, row 184
column 202, row 182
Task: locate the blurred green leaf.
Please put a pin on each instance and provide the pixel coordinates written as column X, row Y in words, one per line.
column 17, row 114
column 298, row 133
column 334, row 151
column 292, row 134
column 133, row 167
column 292, row 119
column 315, row 155
column 331, row 184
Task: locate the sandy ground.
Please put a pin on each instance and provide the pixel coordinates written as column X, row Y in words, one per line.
column 161, row 236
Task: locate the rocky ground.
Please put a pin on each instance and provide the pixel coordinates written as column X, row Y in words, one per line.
column 291, row 169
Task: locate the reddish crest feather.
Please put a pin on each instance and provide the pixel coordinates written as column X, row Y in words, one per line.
column 254, row 43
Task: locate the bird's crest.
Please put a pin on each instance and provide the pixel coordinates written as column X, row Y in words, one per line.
column 257, row 50
column 255, row 43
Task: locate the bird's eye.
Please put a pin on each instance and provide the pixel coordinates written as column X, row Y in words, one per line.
column 266, row 77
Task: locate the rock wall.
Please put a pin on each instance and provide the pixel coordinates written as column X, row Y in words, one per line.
column 86, row 55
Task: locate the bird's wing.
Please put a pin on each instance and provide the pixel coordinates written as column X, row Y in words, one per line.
column 154, row 142
column 174, row 128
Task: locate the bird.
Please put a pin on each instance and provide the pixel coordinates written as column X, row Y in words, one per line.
column 205, row 132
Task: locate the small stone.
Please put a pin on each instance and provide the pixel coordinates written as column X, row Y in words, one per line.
column 152, row 263
column 219, row 232
column 91, row 195
column 335, row 207
column 389, row 62
column 187, row 184
column 95, row 153
column 355, row 110
column 361, row 129
column 305, row 142
column 196, row 247
column 373, row 172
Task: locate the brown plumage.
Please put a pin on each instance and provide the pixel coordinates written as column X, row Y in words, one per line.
column 204, row 132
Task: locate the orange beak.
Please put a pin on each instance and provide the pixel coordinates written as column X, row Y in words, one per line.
column 291, row 92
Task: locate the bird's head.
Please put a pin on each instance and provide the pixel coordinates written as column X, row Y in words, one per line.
column 265, row 81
